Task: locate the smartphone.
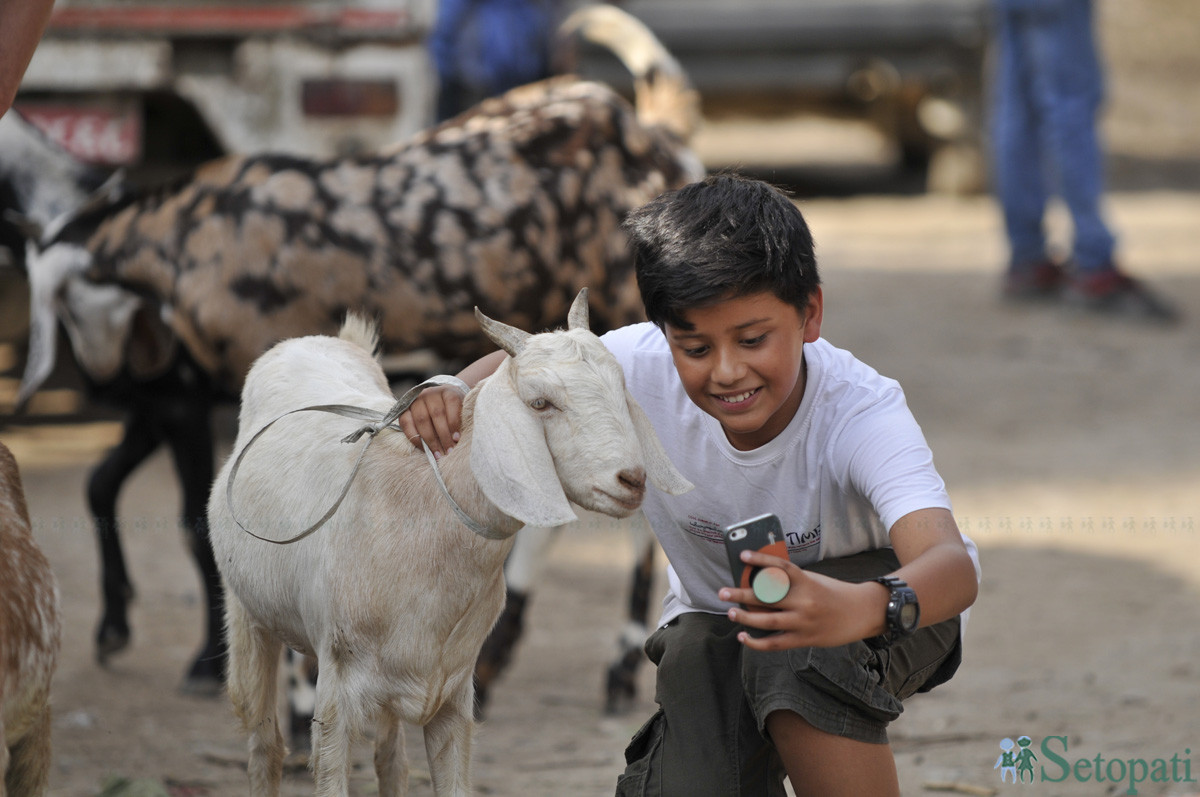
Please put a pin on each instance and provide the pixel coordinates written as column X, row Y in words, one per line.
column 762, row 533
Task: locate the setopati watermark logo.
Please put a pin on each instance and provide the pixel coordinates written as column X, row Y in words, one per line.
column 1022, row 762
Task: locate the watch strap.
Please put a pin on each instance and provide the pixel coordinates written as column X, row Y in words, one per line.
column 893, row 632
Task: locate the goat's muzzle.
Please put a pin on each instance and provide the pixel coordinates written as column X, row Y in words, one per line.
column 629, row 490
column 633, row 479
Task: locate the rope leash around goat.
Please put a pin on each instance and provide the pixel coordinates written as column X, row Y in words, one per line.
column 377, row 422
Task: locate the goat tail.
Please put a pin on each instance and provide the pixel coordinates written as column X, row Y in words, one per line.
column 360, row 331
column 664, row 96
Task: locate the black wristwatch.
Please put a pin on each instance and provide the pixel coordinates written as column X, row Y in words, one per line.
column 903, row 612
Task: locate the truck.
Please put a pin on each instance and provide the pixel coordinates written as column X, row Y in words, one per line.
column 160, row 85
column 157, row 86
column 911, row 70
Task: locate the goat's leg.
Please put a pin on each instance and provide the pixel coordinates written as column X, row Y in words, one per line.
column 521, row 569
column 621, row 679
column 330, row 758
column 448, row 744
column 188, row 427
column 28, row 765
column 141, row 437
column 391, row 760
column 253, row 665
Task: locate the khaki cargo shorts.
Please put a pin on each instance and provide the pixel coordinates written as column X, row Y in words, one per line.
column 706, row 740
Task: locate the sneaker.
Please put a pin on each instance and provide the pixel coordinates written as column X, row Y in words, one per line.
column 1038, row 281
column 1109, row 291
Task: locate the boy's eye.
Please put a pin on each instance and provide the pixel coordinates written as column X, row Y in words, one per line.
column 755, row 340
column 696, row 351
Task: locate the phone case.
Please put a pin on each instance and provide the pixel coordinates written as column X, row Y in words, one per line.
column 763, row 533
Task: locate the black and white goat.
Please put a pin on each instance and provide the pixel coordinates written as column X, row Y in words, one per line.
column 396, row 591
column 164, row 396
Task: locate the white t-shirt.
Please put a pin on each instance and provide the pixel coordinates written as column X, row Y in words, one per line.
column 850, row 464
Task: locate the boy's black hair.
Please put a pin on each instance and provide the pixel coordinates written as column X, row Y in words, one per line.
column 723, row 237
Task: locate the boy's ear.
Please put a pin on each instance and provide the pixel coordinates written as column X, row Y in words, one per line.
column 812, row 316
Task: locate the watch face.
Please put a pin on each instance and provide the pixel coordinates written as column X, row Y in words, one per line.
column 908, row 615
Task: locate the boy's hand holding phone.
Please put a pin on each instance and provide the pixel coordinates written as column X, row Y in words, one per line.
column 809, row 610
column 765, row 535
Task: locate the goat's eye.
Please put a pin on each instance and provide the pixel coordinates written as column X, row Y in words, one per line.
column 539, row 404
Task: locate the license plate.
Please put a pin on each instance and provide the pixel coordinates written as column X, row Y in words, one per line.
column 111, row 136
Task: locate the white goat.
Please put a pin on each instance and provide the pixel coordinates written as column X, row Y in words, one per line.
column 394, row 595
column 30, row 633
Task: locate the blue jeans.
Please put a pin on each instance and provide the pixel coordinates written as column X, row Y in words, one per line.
column 1048, row 89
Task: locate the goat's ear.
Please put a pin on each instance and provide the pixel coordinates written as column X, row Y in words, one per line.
column 659, row 467
column 48, row 272
column 510, row 459
column 43, row 343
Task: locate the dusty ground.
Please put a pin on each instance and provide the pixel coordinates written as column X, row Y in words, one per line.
column 1071, row 447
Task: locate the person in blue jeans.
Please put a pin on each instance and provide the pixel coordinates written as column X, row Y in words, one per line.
column 1049, row 87
column 482, row 48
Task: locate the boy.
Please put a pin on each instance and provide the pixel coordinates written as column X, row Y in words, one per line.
column 762, row 415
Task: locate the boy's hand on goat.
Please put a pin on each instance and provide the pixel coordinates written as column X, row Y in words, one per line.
column 817, row 611
column 435, row 417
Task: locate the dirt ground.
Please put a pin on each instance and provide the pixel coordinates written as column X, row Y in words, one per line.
column 1071, row 447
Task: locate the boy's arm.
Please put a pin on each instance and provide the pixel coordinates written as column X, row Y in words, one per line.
column 935, row 563
column 436, row 415
column 819, row 611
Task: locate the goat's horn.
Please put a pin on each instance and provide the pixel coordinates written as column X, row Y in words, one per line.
column 577, row 318
column 511, row 339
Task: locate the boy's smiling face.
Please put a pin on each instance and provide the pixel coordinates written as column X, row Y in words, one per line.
column 742, row 362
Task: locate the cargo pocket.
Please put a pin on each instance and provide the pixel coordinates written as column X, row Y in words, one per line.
column 641, row 759
column 913, row 683
column 929, row 659
column 854, row 675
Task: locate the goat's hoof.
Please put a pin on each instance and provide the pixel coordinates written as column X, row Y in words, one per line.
column 110, row 639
